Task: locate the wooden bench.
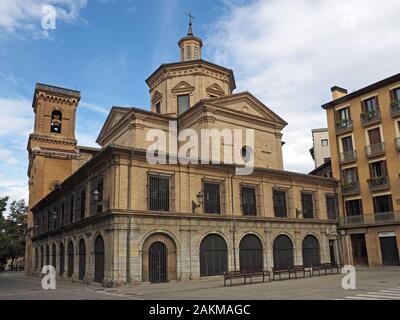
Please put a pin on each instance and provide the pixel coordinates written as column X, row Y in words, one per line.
column 262, row 274
column 279, row 271
column 318, row 267
column 245, row 275
column 299, row 268
column 325, row 267
column 230, row 275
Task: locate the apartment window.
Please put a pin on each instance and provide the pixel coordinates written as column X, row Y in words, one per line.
column 248, row 197
column 343, row 115
column 307, row 202
column 374, row 136
column 280, row 207
column 183, row 103
column 324, row 142
column 354, row 207
column 158, row 107
column 383, row 204
column 370, row 105
column 331, row 206
column 378, row 169
column 212, row 198
column 159, row 193
column 71, row 209
column 83, row 203
column 350, row 176
column 396, row 95
column 347, row 144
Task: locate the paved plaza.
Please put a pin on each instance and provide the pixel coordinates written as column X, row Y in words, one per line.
column 372, row 284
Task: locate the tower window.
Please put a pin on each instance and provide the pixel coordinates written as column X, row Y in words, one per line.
column 196, row 52
column 183, row 103
column 56, row 121
column 189, row 53
column 158, row 107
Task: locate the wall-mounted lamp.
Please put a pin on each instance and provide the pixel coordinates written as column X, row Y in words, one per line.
column 96, row 195
column 195, row 205
column 299, row 214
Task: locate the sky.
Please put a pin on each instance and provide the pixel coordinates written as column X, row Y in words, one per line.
column 288, row 53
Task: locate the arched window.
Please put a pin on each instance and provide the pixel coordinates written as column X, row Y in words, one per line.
column 283, row 252
column 82, row 259
column 54, row 256
column 62, row 259
column 213, row 256
column 98, row 259
column 70, row 251
column 56, row 121
column 251, row 254
column 311, row 249
column 47, row 255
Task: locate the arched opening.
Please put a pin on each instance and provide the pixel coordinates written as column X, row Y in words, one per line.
column 62, row 259
column 47, row 255
column 56, row 121
column 213, row 256
column 98, row 259
column 251, row 254
column 36, row 258
column 158, row 262
column 159, row 258
column 82, row 259
column 311, row 249
column 70, row 252
column 41, row 257
column 283, row 252
column 54, row 256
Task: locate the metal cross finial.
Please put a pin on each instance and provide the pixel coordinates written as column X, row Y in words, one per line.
column 190, row 17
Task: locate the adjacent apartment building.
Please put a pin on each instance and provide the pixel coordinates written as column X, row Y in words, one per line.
column 364, row 134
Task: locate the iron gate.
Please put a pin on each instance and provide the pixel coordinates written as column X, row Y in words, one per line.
column 311, row 249
column 283, row 252
column 62, row 259
column 213, row 256
column 158, row 262
column 82, row 259
column 250, row 254
column 98, row 259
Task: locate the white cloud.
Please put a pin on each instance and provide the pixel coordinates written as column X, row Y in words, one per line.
column 289, row 53
column 27, row 15
column 7, row 157
column 94, row 107
column 16, row 117
column 14, row 189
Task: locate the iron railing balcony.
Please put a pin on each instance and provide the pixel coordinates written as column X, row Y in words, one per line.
column 378, row 183
column 344, row 125
column 395, row 108
column 348, row 156
column 375, row 149
column 370, row 219
column 397, row 143
column 350, row 188
column 370, row 117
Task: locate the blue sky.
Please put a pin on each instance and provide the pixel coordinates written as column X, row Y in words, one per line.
column 288, row 53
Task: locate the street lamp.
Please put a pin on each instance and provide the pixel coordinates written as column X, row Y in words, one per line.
column 195, row 205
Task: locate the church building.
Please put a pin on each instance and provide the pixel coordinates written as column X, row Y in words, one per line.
column 110, row 216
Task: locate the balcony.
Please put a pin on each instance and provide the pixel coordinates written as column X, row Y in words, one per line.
column 378, row 183
column 370, row 117
column 348, row 156
column 395, row 108
column 397, row 143
column 376, row 149
column 350, row 188
column 380, row 218
column 344, row 125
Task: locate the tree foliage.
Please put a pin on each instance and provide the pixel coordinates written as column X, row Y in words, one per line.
column 13, row 229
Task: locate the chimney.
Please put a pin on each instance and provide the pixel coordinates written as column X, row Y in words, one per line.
column 338, row 92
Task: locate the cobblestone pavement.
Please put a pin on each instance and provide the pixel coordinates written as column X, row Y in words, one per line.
column 379, row 284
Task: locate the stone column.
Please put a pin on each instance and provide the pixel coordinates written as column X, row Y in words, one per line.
column 268, row 249
column 298, row 252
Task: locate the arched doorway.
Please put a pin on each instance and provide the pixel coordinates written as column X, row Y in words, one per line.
column 70, row 252
column 251, row 254
column 283, row 252
column 47, row 255
column 213, row 256
column 98, row 259
column 159, row 258
column 311, row 251
column 54, row 256
column 158, row 262
column 82, row 259
column 62, row 259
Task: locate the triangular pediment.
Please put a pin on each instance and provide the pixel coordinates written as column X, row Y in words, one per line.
column 215, row 89
column 157, row 95
column 182, row 86
column 114, row 117
column 246, row 104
